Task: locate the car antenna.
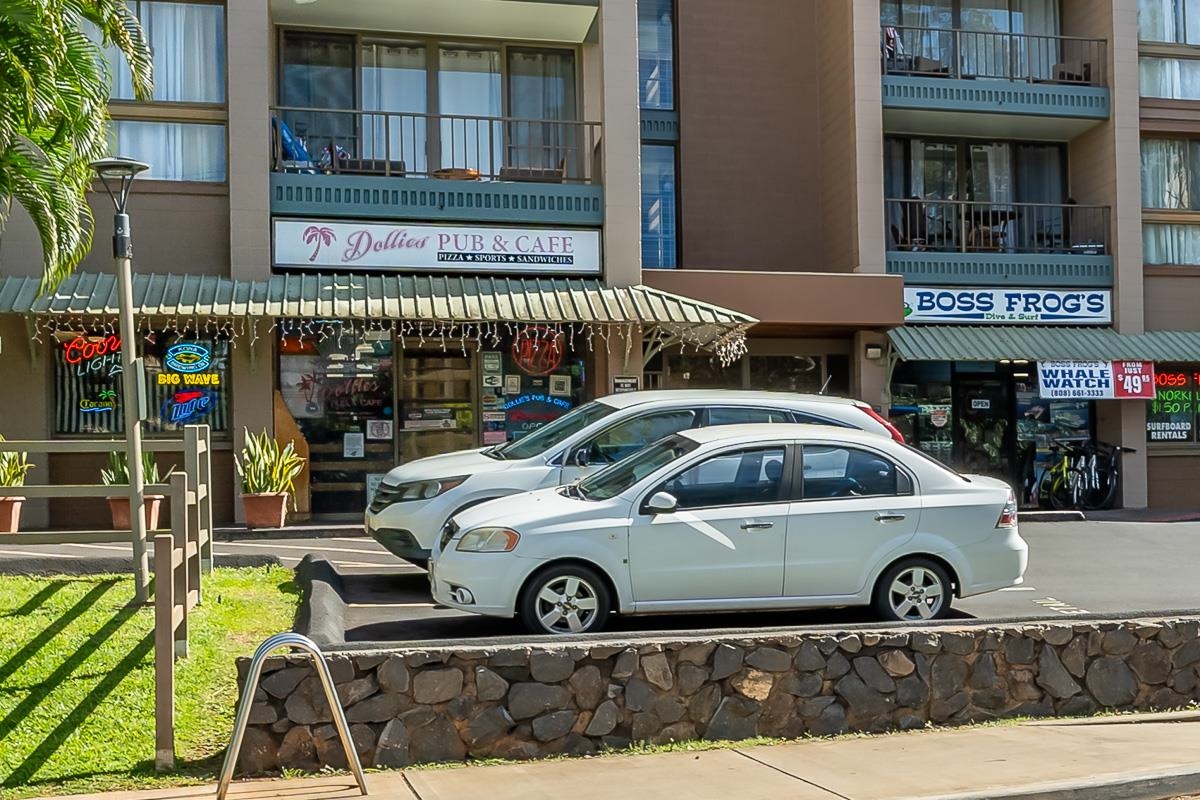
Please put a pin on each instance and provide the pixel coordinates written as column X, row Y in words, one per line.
column 825, row 385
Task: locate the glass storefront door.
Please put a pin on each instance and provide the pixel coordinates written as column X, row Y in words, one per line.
column 437, row 403
column 982, row 416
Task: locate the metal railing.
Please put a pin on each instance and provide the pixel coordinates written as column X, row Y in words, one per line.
column 196, row 515
column 310, row 649
column 955, row 53
column 973, row 227
column 449, row 146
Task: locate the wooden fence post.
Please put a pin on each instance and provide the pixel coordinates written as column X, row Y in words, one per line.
column 179, row 575
column 164, row 652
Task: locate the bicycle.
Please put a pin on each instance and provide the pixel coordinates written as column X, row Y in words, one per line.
column 1108, row 475
column 1086, row 476
column 1063, row 482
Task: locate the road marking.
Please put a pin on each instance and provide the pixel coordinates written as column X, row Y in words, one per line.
column 1018, row 589
column 30, row 554
column 119, row 549
column 306, row 549
column 1058, row 605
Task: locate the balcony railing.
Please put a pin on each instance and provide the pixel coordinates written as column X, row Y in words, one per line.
column 952, row 53
column 447, row 146
column 986, row 227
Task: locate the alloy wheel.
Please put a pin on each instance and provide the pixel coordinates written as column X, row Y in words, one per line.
column 567, row 604
column 916, row 593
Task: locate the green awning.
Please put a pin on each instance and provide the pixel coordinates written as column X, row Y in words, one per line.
column 450, row 299
column 1033, row 343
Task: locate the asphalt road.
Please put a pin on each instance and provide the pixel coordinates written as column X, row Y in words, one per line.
column 1075, row 568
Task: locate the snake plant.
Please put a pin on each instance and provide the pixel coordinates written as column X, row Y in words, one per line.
column 117, row 473
column 267, row 468
column 13, row 468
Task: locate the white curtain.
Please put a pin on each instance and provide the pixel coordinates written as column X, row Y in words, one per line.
column 1171, row 78
column 469, row 86
column 175, row 151
column 1166, row 179
column 991, row 173
column 1173, row 21
column 1040, row 50
column 541, row 85
column 1170, row 243
column 188, row 43
column 394, row 81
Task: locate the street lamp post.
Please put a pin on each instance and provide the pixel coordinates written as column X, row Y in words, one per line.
column 117, row 175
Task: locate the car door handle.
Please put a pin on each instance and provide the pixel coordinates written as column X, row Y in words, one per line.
column 889, row 516
column 749, row 525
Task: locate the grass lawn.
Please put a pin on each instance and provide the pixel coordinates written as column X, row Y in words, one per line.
column 77, row 678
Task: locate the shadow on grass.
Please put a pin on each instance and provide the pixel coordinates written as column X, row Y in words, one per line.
column 32, row 604
column 30, row 649
column 80, row 656
column 69, row 723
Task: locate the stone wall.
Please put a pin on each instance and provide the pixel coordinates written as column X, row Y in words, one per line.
column 408, row 706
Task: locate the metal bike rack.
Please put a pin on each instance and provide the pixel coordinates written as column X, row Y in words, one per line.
column 309, row 648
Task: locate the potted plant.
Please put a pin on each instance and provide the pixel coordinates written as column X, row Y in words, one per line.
column 117, row 474
column 13, row 469
column 267, row 471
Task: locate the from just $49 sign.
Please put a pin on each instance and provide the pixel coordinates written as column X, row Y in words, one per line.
column 1096, row 380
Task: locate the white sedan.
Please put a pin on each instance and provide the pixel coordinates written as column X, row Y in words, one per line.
column 737, row 518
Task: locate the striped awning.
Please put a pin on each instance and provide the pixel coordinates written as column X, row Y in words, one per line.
column 1040, row 343
column 442, row 299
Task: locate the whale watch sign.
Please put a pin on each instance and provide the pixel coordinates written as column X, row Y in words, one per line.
column 1096, row 380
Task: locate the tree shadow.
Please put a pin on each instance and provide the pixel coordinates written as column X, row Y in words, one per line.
column 31, row 648
column 32, row 604
column 64, row 670
column 76, row 717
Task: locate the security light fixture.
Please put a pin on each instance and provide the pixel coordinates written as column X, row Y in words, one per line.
column 874, row 352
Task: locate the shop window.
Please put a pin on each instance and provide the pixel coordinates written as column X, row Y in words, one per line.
column 187, row 382
column 786, row 373
column 656, row 54
column 1171, row 416
column 659, row 238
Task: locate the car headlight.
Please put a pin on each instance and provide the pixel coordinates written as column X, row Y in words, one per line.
column 489, row 540
column 417, row 490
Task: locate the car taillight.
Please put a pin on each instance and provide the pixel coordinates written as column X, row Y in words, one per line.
column 1008, row 517
column 875, row 415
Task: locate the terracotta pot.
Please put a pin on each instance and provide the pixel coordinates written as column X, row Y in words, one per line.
column 10, row 514
column 119, row 506
column 265, row 510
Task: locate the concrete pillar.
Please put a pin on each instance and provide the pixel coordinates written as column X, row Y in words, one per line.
column 1123, row 422
column 251, row 70
column 26, row 403
column 621, row 143
column 621, row 357
column 869, row 377
column 253, row 393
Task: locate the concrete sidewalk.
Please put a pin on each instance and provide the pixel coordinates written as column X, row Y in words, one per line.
column 1147, row 756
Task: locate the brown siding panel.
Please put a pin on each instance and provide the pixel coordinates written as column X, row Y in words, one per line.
column 1173, row 481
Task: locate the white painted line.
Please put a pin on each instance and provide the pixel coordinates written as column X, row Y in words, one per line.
column 118, row 548
column 27, row 554
column 302, row 548
column 1018, row 589
column 354, row 539
column 1059, row 606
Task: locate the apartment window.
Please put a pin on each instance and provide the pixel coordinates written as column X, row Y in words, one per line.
column 175, row 151
column 187, row 41
column 180, row 143
column 1169, row 21
column 656, row 54
column 1169, row 78
column 659, row 242
column 1170, row 243
column 1171, row 174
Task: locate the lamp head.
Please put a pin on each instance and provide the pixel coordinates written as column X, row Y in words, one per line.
column 117, row 174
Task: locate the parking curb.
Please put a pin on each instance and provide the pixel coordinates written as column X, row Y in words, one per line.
column 300, row 532
column 1050, row 516
column 1133, row 786
column 321, row 615
column 105, row 565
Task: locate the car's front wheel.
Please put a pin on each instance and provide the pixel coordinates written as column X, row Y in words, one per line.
column 913, row 590
column 568, row 598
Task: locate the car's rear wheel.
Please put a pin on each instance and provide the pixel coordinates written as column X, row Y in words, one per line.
column 913, row 590
column 568, row 598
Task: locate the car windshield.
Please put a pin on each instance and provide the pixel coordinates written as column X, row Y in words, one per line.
column 611, row 481
column 553, row 433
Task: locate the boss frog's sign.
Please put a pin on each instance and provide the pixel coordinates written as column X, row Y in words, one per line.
column 1007, row 306
column 437, row 248
column 1096, row 380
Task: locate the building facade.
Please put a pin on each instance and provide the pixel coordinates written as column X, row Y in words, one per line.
column 390, row 230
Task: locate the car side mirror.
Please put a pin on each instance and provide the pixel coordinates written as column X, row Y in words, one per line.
column 580, row 458
column 662, row 503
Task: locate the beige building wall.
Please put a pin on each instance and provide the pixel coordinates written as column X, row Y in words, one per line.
column 750, row 134
column 621, row 143
column 249, row 98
